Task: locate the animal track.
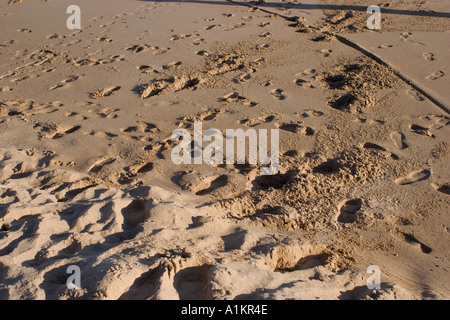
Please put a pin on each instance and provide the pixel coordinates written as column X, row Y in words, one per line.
column 414, row 177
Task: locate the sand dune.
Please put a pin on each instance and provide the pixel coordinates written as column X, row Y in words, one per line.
column 86, row 176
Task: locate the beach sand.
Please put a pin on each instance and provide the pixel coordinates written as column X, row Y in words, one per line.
column 87, row 178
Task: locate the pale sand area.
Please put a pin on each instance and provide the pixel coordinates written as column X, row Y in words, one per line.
column 87, row 179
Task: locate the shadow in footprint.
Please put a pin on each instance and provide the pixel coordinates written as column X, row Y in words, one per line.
column 413, row 240
column 145, row 286
column 414, row 177
column 193, row 283
column 348, row 211
column 445, row 189
column 134, row 214
column 215, row 184
column 276, row 181
column 308, row 262
column 234, row 240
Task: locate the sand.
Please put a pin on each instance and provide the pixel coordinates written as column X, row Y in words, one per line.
column 86, row 179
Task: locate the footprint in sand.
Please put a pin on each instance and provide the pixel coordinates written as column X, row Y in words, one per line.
column 310, row 113
column 384, row 46
column 202, row 53
column 210, row 185
column 104, row 39
column 445, row 188
column 304, row 83
column 421, row 130
column 105, row 92
column 140, row 168
column 213, row 26
column 146, row 69
column 54, row 131
column 140, row 47
column 196, row 42
column 326, row 52
column 413, row 177
column 99, row 164
column 428, row 56
column 413, row 241
column 297, row 128
column 257, row 121
column 242, row 78
column 399, row 140
column 278, row 93
column 370, row 145
column 72, row 78
column 171, row 65
column 180, row 37
column 415, row 95
column 436, row 75
column 63, row 83
column 57, row 86
column 348, row 210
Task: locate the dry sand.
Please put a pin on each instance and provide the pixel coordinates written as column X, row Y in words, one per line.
column 86, row 176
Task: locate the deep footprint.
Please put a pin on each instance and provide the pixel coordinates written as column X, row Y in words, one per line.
column 414, row 177
column 348, row 211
